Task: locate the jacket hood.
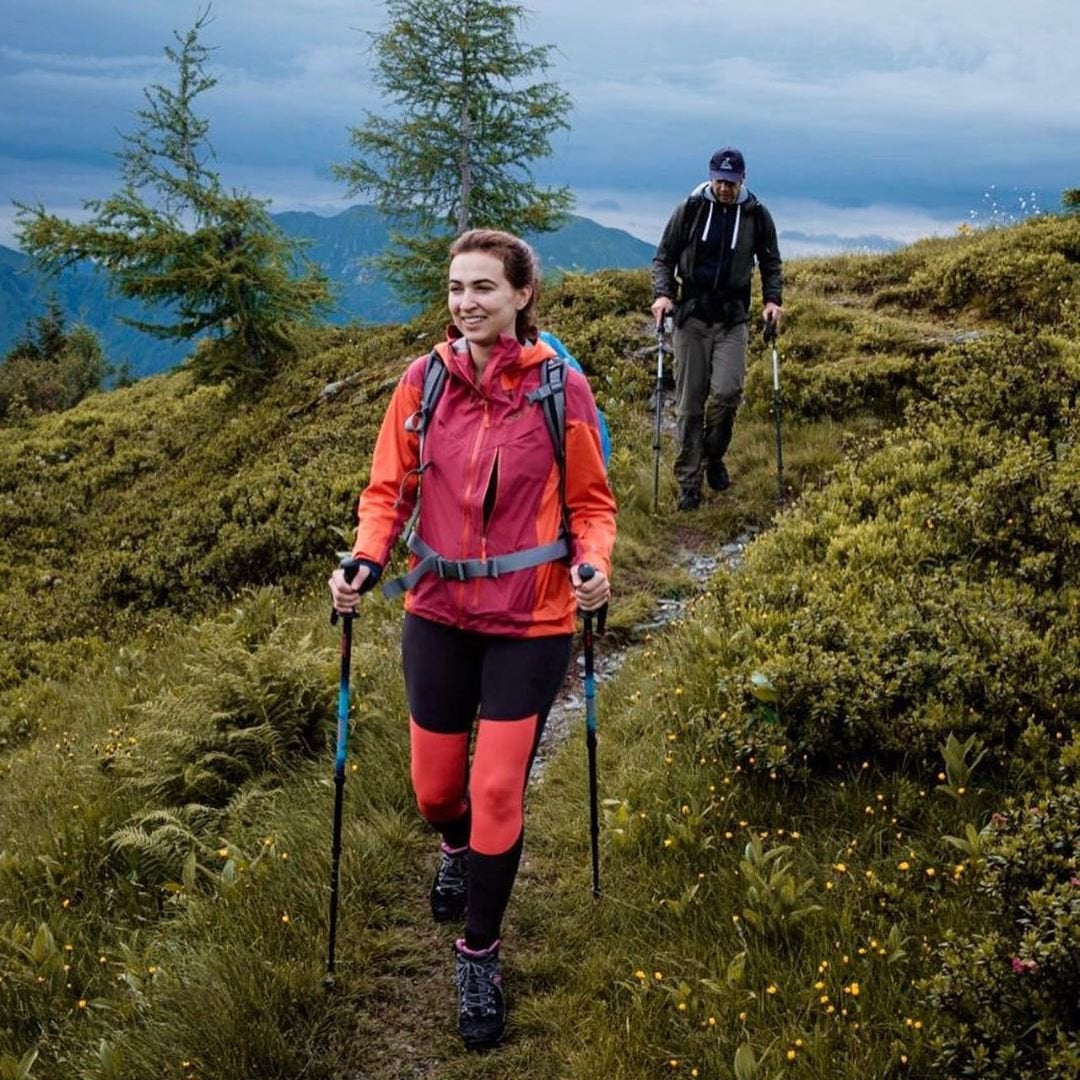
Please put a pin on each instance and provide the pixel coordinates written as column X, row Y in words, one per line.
column 704, row 191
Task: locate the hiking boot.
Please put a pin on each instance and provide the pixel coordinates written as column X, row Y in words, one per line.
column 717, row 475
column 689, row 500
column 448, row 890
column 481, row 1007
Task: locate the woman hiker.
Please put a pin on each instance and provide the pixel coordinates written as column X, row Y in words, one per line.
column 494, row 584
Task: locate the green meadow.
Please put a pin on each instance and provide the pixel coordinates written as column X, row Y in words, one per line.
column 840, row 803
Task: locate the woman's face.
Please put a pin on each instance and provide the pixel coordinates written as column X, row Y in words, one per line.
column 483, row 304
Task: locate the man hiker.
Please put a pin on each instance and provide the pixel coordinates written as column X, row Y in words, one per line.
column 702, row 273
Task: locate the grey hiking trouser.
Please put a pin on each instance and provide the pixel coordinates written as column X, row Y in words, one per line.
column 710, row 366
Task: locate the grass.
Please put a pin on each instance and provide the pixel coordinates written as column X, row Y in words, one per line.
column 156, row 953
column 673, row 843
column 739, row 910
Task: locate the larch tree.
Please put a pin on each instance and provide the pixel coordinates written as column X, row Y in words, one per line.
column 205, row 261
column 471, row 113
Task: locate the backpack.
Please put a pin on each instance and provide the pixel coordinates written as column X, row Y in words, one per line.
column 550, row 395
column 564, row 352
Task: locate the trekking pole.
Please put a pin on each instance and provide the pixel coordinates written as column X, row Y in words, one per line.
column 661, row 326
column 770, row 336
column 350, row 566
column 585, row 572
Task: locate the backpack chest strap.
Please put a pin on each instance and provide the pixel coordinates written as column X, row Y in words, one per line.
column 431, row 562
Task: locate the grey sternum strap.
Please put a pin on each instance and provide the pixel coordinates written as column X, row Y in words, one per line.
column 431, row 562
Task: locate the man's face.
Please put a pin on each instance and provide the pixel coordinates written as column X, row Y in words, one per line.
column 726, row 191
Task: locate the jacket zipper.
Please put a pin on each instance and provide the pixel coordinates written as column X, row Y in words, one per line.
column 470, row 488
column 485, row 518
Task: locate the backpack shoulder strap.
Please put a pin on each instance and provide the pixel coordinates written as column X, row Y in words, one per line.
column 418, row 422
column 434, row 381
column 693, row 209
column 550, row 395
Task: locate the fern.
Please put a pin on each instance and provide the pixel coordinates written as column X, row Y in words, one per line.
column 155, row 847
column 253, row 701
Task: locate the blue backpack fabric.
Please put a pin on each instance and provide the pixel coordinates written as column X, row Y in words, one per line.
column 564, row 352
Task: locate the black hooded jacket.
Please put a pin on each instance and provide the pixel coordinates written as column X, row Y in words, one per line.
column 705, row 259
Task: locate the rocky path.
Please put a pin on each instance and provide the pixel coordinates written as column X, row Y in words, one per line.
column 569, row 709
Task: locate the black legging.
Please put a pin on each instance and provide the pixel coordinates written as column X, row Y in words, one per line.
column 455, row 679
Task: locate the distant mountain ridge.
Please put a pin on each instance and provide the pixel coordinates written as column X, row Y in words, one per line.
column 341, row 244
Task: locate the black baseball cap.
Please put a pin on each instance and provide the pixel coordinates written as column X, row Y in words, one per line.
column 727, row 164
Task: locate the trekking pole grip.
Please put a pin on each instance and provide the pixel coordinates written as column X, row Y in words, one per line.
column 769, row 332
column 586, row 571
column 349, row 566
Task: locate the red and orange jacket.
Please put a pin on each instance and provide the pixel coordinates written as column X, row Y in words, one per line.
column 491, row 486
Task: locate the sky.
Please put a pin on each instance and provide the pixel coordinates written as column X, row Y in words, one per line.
column 862, row 121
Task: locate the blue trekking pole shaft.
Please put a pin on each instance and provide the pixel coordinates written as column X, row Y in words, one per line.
column 585, row 572
column 770, row 336
column 349, row 566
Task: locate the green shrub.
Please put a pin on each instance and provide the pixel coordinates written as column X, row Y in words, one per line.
column 1025, row 276
column 1015, row 383
column 928, row 589
column 253, row 701
column 1005, row 998
column 51, row 375
column 839, row 389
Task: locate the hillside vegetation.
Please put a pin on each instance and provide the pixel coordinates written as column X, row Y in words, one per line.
column 840, row 793
column 342, row 245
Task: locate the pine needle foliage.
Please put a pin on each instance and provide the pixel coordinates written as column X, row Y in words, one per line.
column 50, row 368
column 175, row 238
column 466, row 124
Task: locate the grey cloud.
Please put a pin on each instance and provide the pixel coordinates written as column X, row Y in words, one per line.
column 852, row 105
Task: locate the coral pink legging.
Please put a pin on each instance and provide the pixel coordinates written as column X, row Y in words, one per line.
column 456, row 679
